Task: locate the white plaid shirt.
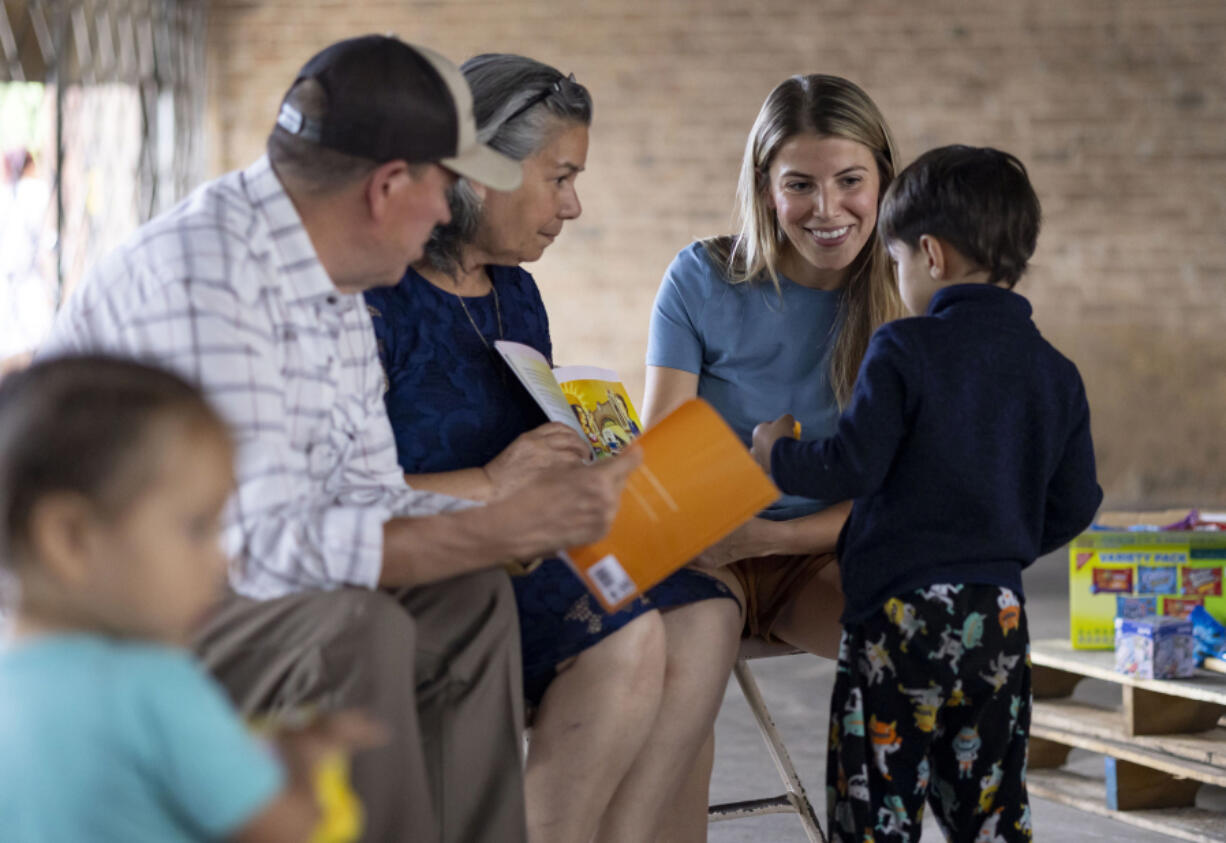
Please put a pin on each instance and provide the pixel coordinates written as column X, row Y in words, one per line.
column 226, row 289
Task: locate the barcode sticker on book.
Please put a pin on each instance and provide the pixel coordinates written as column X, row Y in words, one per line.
column 611, row 579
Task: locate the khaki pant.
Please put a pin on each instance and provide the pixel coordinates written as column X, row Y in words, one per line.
column 439, row 666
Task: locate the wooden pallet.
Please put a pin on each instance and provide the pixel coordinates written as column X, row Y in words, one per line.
column 1165, row 741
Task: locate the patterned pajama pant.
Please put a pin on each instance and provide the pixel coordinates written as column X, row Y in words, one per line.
column 932, row 703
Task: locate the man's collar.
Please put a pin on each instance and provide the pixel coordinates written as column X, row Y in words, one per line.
column 295, row 262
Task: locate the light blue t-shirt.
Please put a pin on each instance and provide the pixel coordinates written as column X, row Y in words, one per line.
column 757, row 354
column 117, row 742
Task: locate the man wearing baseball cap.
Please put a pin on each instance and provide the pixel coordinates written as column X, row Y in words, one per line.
column 350, row 589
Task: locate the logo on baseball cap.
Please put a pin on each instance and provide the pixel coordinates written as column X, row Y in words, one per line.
column 389, row 100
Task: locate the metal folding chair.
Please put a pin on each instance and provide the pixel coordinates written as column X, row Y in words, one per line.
column 793, row 799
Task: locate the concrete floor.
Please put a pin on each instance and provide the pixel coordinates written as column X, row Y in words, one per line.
column 797, row 691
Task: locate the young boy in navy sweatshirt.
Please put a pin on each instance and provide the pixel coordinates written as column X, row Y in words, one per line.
column 966, row 448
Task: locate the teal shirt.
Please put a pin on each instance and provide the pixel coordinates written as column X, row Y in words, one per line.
column 758, row 353
column 122, row 742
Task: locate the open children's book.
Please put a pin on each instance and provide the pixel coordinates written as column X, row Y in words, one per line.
column 592, row 401
column 696, row 484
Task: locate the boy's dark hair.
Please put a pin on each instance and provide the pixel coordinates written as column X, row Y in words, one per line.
column 979, row 200
column 81, row 424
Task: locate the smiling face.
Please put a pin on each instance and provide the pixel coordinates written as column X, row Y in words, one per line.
column 517, row 227
column 824, row 193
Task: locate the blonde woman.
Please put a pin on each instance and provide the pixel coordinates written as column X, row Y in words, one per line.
column 776, row 320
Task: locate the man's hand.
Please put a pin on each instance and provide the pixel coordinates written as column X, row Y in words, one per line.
column 766, row 434
column 567, row 506
column 557, row 508
column 550, row 446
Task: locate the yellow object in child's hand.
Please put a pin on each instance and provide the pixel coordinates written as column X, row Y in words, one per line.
column 340, row 819
column 795, row 429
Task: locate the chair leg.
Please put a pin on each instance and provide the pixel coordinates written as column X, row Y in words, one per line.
column 779, row 754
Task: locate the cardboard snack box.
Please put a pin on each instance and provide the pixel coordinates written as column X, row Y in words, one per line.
column 1155, row 647
column 1118, row 573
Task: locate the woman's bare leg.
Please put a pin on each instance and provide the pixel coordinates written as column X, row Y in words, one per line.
column 664, row 796
column 686, row 820
column 810, row 619
column 591, row 724
column 809, row 622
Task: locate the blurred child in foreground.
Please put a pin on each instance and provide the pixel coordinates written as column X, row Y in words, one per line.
column 113, row 476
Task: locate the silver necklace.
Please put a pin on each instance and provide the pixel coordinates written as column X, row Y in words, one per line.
column 471, row 321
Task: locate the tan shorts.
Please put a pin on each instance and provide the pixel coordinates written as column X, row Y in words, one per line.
column 770, row 582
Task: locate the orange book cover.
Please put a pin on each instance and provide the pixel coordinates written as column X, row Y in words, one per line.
column 696, row 484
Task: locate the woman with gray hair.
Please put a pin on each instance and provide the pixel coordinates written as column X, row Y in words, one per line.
column 623, row 701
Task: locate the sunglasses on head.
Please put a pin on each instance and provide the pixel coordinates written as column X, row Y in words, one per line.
column 537, row 99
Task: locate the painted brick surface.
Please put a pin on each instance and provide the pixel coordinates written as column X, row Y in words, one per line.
column 1117, row 106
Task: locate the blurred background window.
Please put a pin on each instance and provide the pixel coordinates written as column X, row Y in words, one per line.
column 101, row 105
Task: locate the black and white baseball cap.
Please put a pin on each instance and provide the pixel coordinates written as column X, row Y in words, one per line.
column 388, row 100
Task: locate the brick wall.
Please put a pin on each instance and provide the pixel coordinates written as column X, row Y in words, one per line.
column 1117, row 106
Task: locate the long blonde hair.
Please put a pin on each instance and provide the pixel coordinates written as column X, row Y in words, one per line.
column 834, row 107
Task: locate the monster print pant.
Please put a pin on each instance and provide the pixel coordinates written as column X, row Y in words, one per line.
column 932, row 703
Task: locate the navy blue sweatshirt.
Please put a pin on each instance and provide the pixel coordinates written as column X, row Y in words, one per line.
column 966, row 448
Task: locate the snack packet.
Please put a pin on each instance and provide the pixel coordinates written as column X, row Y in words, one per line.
column 1180, row 607
column 1157, row 579
column 1209, row 634
column 1111, row 580
column 1202, row 581
column 1135, row 607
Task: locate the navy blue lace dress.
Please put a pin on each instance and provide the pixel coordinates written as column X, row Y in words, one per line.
column 454, row 404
